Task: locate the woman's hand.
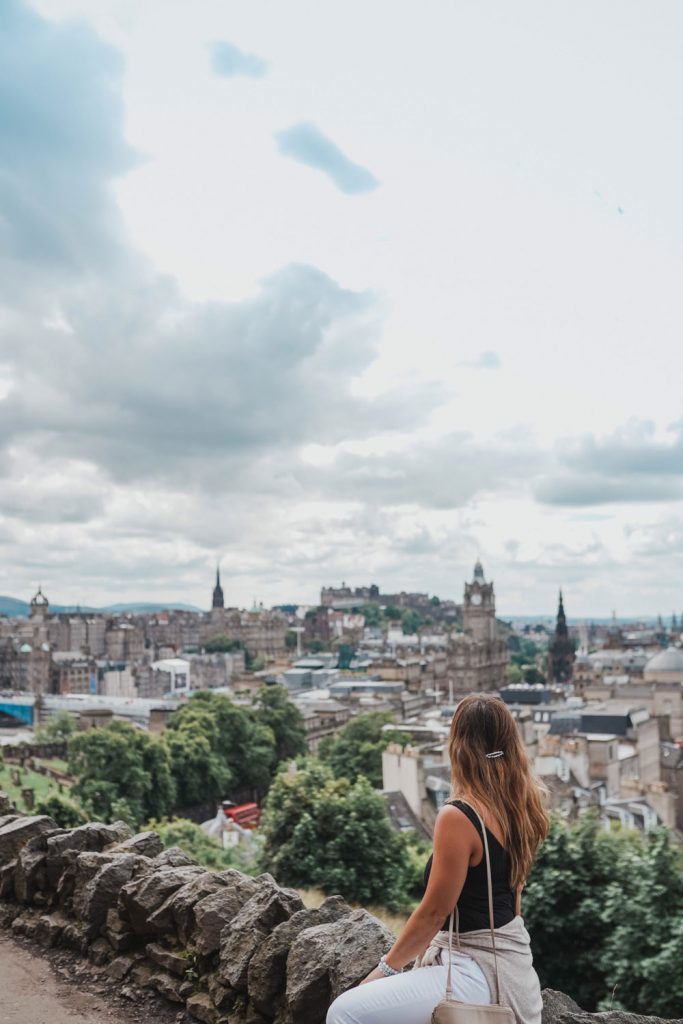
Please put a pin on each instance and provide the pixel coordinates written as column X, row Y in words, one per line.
column 374, row 974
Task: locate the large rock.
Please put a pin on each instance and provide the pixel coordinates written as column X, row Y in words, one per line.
column 146, row 844
column 30, row 872
column 559, row 1008
column 177, row 912
column 615, row 1017
column 84, row 869
column 100, row 893
column 62, row 850
column 555, row 1003
column 242, row 936
column 212, row 913
column 325, row 961
column 267, row 974
column 140, row 898
column 174, row 857
column 15, row 834
column 7, row 880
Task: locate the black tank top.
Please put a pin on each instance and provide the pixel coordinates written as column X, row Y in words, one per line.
column 473, row 904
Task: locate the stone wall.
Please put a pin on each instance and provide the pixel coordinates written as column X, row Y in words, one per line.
column 229, row 948
column 23, row 751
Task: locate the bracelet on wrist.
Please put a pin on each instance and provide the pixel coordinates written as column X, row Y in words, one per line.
column 386, row 969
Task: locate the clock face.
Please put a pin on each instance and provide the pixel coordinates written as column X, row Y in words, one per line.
column 476, row 597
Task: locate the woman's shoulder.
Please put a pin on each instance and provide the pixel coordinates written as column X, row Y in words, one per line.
column 464, row 808
column 456, row 812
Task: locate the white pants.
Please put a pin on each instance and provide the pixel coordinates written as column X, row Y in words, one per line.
column 409, row 998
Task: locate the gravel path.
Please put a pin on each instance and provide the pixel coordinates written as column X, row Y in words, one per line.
column 38, row 987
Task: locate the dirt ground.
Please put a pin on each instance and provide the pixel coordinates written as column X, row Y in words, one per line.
column 56, row 987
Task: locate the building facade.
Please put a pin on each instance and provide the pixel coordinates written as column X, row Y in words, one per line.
column 477, row 657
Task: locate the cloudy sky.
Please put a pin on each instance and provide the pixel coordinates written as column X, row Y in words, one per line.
column 342, row 290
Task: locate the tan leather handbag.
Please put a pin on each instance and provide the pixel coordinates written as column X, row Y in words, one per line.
column 453, row 1011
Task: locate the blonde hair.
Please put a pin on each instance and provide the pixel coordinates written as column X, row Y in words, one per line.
column 504, row 785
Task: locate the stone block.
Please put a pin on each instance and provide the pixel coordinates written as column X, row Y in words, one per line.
column 140, row 898
column 177, row 912
column 200, row 1006
column 50, row 929
column 120, row 966
column 326, row 960
column 213, row 912
column 145, row 844
column 166, row 985
column 242, row 936
column 167, row 959
column 267, row 974
column 100, row 952
column 15, row 834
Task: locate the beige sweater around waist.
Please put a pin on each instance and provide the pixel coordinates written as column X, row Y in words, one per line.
column 520, row 988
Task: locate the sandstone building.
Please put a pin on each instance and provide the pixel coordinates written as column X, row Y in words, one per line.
column 478, row 657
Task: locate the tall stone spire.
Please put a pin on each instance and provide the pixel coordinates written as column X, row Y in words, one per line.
column 218, row 601
column 561, row 651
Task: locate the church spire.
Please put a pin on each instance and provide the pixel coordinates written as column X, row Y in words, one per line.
column 218, row 601
column 561, row 625
column 561, row 649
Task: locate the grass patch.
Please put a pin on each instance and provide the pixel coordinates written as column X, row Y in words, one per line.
column 42, row 785
column 56, row 763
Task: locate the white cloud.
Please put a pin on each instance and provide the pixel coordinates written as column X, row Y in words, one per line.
column 205, row 350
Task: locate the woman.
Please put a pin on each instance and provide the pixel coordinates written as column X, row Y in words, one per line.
column 490, row 772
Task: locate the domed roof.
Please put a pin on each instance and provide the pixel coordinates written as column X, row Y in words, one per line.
column 39, row 599
column 670, row 660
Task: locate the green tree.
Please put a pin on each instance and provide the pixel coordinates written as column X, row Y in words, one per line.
column 563, row 908
column 275, row 710
column 200, row 773
column 411, row 621
column 357, row 749
column 120, row 762
column 513, row 674
column 61, row 809
column 372, row 614
column 334, row 835
column 246, row 747
column 605, row 914
column 58, row 729
column 223, row 645
column 644, row 910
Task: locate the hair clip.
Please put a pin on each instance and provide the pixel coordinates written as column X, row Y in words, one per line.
column 496, row 753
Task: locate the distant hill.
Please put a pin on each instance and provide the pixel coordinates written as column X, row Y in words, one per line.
column 13, row 607
column 10, row 606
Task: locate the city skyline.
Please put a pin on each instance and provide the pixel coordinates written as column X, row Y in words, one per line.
column 425, row 310
column 141, row 603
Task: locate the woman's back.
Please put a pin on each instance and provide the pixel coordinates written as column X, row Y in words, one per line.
column 473, row 906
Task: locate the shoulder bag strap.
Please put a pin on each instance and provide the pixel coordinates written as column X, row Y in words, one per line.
column 491, row 918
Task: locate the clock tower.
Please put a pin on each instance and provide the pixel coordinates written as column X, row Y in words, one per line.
column 479, row 612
